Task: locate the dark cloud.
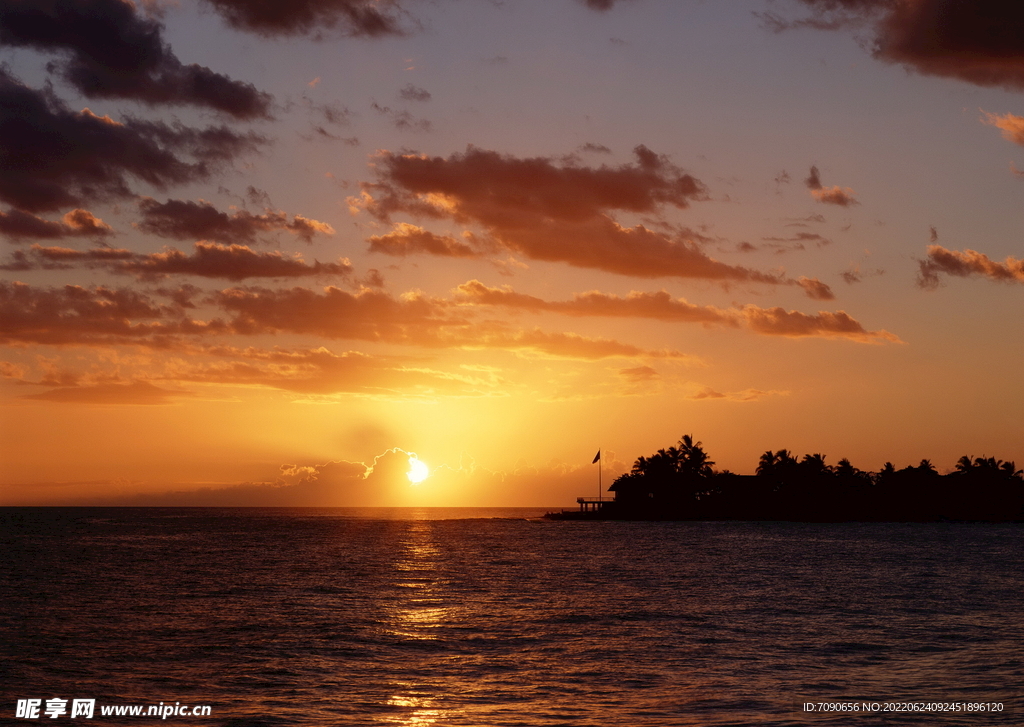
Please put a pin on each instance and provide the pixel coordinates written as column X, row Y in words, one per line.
column 843, row 197
column 109, row 50
column 661, row 306
column 413, row 319
column 185, row 220
column 19, row 225
column 414, row 93
column 799, row 241
column 981, row 42
column 815, row 288
column 600, row 5
column 658, row 306
column 813, row 180
column 229, row 262
column 370, row 18
column 402, row 120
column 54, row 157
column 74, row 315
column 208, row 260
column 965, row 264
column 408, row 239
column 557, row 210
column 794, row 324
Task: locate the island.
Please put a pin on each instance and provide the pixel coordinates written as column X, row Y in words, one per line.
column 681, row 483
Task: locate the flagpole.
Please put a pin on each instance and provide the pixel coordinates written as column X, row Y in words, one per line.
column 600, row 466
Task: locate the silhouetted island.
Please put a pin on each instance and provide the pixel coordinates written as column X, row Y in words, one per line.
column 679, row 483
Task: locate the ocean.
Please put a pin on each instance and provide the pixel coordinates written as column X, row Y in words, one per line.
column 282, row 617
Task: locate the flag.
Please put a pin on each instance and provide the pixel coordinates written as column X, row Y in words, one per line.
column 596, row 457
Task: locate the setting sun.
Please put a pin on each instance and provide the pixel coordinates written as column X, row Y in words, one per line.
column 418, row 471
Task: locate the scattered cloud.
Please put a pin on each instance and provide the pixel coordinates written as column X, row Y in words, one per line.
column 944, row 38
column 556, row 210
column 639, row 374
column 746, row 395
column 658, row 306
column 780, row 322
column 366, row 18
column 414, row 93
column 18, row 225
column 134, row 393
column 964, row 264
column 844, row 197
column 75, row 315
column 1012, row 126
column 108, row 50
column 815, row 289
column 402, row 120
column 661, row 306
column 39, row 175
column 406, row 239
column 841, row 196
column 208, row 260
column 200, row 220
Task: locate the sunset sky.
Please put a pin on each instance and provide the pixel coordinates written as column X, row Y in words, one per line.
column 261, row 252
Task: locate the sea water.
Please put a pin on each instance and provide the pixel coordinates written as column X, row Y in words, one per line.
column 496, row 617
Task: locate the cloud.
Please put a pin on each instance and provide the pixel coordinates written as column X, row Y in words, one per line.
column 55, row 157
column 185, row 220
column 639, row 374
column 796, row 242
column 367, row 18
column 841, row 196
column 813, row 180
column 1011, row 125
column 746, row 395
column 402, row 120
column 110, row 51
column 600, row 5
column 135, row 393
column 829, row 195
column 75, row 315
column 322, row 372
column 19, row 225
column 980, row 42
column 230, row 262
column 794, row 324
column 406, row 239
column 661, row 306
column 414, row 93
column 964, row 264
column 556, row 210
column 815, row 289
column 208, row 260
column 413, row 319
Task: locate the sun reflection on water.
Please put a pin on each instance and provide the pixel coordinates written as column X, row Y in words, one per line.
column 422, row 607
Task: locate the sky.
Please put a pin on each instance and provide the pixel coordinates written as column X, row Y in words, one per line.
column 269, row 253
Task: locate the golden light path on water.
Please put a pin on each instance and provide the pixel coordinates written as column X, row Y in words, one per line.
column 421, row 608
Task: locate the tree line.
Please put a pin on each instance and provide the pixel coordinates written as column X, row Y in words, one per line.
column 681, row 483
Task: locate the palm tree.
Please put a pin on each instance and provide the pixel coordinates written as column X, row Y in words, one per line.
column 693, row 460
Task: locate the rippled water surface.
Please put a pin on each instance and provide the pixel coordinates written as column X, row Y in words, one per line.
column 484, row 617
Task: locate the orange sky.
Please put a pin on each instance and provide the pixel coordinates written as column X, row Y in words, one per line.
column 259, row 259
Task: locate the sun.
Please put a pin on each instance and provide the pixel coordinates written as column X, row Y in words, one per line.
column 418, row 471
